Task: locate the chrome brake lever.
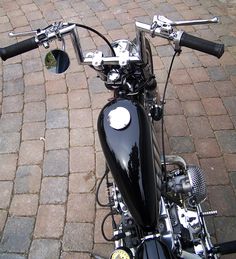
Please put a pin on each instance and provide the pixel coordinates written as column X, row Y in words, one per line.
column 21, row 34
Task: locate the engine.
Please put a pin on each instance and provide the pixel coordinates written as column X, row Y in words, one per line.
column 182, row 224
column 181, row 220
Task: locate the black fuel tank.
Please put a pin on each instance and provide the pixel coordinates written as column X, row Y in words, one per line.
column 129, row 155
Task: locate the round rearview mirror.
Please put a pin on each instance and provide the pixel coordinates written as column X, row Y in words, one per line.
column 57, row 61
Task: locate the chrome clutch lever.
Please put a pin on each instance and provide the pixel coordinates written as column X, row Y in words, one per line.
column 162, row 21
column 195, row 22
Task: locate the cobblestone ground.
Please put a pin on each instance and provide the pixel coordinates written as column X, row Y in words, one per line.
column 50, row 157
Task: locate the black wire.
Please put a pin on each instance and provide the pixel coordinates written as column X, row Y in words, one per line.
column 98, row 33
column 111, row 213
column 162, row 121
column 98, row 189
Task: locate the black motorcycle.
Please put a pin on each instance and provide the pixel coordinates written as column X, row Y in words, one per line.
column 155, row 199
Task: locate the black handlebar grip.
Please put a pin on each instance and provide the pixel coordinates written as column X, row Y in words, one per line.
column 18, row 48
column 209, row 47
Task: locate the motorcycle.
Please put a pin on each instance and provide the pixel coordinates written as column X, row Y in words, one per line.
column 154, row 199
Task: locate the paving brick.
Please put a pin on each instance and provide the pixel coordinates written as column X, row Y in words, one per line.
column 80, row 118
column 76, row 81
column 180, row 77
column 34, row 93
column 173, row 107
column 79, row 99
column 24, row 205
column 82, row 159
column 193, row 108
column 19, row 21
column 217, row 74
column 46, row 227
column 200, row 127
column 187, row 93
column 29, row 7
column 71, row 255
column 100, row 99
column 225, row 88
column 230, row 104
column 34, row 15
column 12, row 104
column 17, row 235
column 56, row 163
column 233, row 179
column 13, row 87
column 57, row 101
column 220, row 122
column 31, row 152
column 111, row 24
column 81, row 208
column 182, row 144
column 34, row 112
column 96, row 85
column 81, row 183
column 97, row 142
column 230, row 161
column 166, row 51
column 81, row 137
column 53, row 190
column 57, row 139
column 215, row 171
column 208, row 61
column 11, row 122
column 189, row 60
column 227, row 59
column 45, row 248
column 8, row 166
column 57, row 119
column 103, row 249
column 176, row 125
column 207, row 147
column 12, row 72
column 35, row 78
column 11, row 256
column 226, row 140
column 233, row 118
column 33, row 130
column 206, row 89
column 78, row 237
column 56, row 87
column 28, row 179
column 3, row 217
column 100, row 164
column 213, row 106
column 224, row 227
column 9, row 142
column 198, row 74
column 222, row 199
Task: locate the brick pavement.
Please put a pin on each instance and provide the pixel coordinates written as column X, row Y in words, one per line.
column 50, row 156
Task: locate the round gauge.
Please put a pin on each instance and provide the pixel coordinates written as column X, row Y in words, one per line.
column 120, row 254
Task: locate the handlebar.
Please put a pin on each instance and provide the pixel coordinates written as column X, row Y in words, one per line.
column 162, row 29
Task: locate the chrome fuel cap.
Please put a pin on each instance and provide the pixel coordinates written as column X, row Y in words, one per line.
column 119, row 118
